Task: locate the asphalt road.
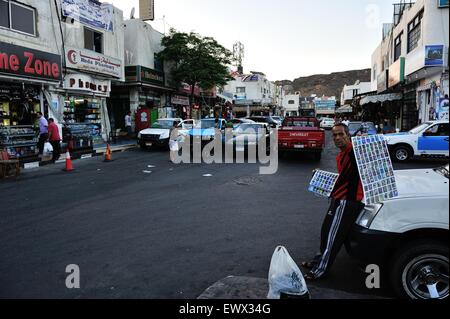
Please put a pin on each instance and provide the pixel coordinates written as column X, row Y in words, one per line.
column 168, row 232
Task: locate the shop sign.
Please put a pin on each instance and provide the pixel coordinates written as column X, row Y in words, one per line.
column 82, row 82
column 325, row 105
column 397, row 72
column 180, row 100
column 144, row 75
column 24, row 62
column 434, row 55
column 90, row 13
column 93, row 62
column 186, row 88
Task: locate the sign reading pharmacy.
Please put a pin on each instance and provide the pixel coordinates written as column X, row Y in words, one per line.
column 25, row 62
column 88, row 84
column 93, row 62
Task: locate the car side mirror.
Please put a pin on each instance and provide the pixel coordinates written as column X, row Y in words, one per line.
column 428, row 133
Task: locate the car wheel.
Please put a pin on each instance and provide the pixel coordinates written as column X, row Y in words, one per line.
column 402, row 153
column 143, row 146
column 420, row 271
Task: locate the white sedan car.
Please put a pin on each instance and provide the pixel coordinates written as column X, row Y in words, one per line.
column 327, row 123
column 408, row 236
column 158, row 134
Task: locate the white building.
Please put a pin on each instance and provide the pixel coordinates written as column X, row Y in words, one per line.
column 350, row 91
column 411, row 63
column 94, row 57
column 252, row 93
column 145, row 83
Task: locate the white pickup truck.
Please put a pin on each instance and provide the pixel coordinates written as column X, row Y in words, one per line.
column 429, row 139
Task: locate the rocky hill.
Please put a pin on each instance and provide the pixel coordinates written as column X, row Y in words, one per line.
column 325, row 84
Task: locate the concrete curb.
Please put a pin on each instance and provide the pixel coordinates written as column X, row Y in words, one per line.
column 257, row 288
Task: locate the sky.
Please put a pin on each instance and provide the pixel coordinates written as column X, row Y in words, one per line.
column 284, row 39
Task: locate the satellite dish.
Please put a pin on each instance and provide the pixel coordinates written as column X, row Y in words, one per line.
column 133, row 11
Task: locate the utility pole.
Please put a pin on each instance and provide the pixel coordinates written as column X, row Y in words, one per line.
column 238, row 55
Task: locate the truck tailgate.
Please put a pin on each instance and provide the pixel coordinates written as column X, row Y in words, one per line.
column 301, row 138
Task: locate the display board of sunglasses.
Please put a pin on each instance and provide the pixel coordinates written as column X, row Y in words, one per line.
column 322, row 183
column 375, row 168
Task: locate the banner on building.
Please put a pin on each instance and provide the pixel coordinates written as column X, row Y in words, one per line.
column 443, row 108
column 434, row 55
column 180, row 100
column 90, row 13
column 443, row 3
column 93, row 62
column 147, row 10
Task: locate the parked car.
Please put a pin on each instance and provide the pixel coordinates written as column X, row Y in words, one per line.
column 206, row 129
column 429, row 139
column 158, row 134
column 301, row 134
column 408, row 236
column 237, row 122
column 279, row 119
column 250, row 134
column 327, row 123
column 365, row 128
column 265, row 119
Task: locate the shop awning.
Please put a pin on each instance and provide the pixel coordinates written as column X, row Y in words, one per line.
column 345, row 109
column 381, row 98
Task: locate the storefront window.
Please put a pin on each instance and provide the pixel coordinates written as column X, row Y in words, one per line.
column 86, row 111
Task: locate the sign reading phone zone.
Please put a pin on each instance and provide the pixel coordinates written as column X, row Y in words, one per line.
column 24, row 62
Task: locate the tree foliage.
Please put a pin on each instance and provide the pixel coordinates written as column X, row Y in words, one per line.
column 198, row 61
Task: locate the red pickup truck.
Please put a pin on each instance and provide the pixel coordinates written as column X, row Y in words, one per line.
column 301, row 134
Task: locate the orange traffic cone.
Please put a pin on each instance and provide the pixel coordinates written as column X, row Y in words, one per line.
column 69, row 166
column 108, row 154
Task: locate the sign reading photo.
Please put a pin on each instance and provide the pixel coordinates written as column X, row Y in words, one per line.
column 94, row 62
column 91, row 13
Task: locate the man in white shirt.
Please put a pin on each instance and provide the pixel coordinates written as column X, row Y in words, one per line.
column 128, row 124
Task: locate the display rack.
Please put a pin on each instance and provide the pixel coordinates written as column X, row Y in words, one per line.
column 20, row 142
column 78, row 137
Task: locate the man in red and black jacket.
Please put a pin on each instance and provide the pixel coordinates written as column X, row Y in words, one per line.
column 346, row 205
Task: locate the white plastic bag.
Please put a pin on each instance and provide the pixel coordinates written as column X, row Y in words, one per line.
column 48, row 148
column 173, row 145
column 285, row 275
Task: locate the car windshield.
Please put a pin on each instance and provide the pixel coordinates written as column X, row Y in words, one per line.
column 205, row 124
column 354, row 126
column 419, row 128
column 163, row 124
column 443, row 170
column 249, row 128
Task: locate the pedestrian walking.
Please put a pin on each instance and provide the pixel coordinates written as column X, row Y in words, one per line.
column 55, row 139
column 43, row 132
column 346, row 205
column 128, row 124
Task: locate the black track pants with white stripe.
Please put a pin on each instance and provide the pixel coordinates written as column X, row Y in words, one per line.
column 338, row 222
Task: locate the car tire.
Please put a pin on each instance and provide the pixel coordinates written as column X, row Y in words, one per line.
column 402, row 153
column 143, row 147
column 418, row 263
